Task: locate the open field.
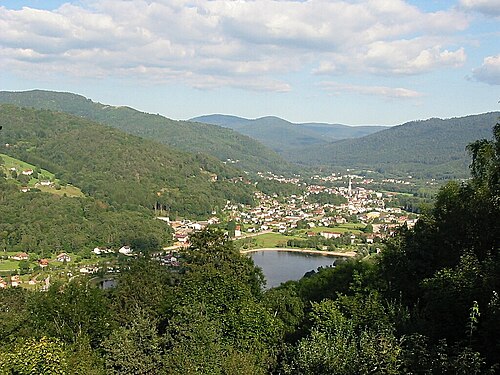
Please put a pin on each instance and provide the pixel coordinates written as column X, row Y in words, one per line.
column 267, row 240
column 8, row 265
column 68, row 190
column 44, row 175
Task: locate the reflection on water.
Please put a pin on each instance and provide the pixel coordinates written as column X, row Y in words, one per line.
column 281, row 266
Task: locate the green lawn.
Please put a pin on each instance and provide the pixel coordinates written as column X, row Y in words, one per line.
column 8, row 265
column 10, row 162
column 69, row 190
column 269, row 240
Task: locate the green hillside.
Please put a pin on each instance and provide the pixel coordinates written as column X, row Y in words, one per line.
column 282, row 135
column 220, row 142
column 430, row 148
column 118, row 168
column 47, row 224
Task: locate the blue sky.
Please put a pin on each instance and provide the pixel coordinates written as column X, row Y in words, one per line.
column 352, row 62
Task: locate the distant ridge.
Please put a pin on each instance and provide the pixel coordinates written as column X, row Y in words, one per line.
column 282, row 135
column 223, row 143
column 427, row 148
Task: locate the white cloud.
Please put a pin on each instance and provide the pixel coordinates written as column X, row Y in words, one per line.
column 489, row 8
column 383, row 91
column 489, row 71
column 223, row 42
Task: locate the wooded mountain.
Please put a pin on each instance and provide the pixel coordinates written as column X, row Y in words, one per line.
column 428, row 148
column 217, row 141
column 282, row 135
column 120, row 169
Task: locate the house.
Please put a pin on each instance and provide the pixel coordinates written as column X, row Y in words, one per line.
column 181, row 237
column 63, row 257
column 102, row 250
column 237, row 231
column 329, row 235
column 27, row 172
column 15, row 280
column 43, row 263
column 125, row 250
column 46, row 183
column 3, row 283
column 20, row 256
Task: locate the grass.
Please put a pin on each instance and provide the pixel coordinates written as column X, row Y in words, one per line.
column 268, row 240
column 44, row 175
column 68, row 190
column 10, row 162
column 8, row 265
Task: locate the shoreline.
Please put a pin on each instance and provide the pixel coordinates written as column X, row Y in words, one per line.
column 307, row 251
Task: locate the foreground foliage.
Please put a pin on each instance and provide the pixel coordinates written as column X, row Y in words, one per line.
column 429, row 304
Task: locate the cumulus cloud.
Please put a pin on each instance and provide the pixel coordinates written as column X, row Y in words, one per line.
column 244, row 44
column 489, row 71
column 383, row 91
column 489, row 8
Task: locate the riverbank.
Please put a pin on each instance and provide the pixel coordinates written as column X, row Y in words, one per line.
column 349, row 254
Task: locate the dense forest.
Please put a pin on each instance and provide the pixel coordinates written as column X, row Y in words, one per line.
column 219, row 142
column 118, row 168
column 46, row 224
column 428, row 304
column 433, row 148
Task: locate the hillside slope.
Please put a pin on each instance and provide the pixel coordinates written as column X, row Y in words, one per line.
column 429, row 148
column 217, row 141
column 116, row 167
column 282, row 135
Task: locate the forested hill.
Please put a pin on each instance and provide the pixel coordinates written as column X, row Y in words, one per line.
column 217, row 141
column 118, row 168
column 430, row 148
column 282, row 135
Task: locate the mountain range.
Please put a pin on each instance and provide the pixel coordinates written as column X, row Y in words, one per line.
column 117, row 168
column 433, row 148
column 282, row 135
column 225, row 144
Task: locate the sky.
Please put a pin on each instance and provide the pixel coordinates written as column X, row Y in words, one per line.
column 376, row 62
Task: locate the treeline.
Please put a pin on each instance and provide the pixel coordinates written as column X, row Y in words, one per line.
column 326, row 198
column 281, row 189
column 119, row 169
column 46, row 224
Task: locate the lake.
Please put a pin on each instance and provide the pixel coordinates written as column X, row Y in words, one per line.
column 281, row 266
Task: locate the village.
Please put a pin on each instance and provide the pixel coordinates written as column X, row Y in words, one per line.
column 355, row 223
column 363, row 217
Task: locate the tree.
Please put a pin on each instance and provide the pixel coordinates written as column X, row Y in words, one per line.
column 45, row 356
column 135, row 348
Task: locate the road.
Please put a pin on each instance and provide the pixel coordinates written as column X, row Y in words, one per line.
column 308, row 251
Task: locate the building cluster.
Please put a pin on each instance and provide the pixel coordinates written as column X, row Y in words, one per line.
column 361, row 205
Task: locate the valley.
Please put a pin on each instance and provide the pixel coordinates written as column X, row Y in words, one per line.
column 116, row 222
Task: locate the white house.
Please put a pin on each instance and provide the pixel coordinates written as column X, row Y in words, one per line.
column 63, row 257
column 125, row 250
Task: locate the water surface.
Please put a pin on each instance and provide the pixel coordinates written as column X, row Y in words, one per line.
column 281, row 266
